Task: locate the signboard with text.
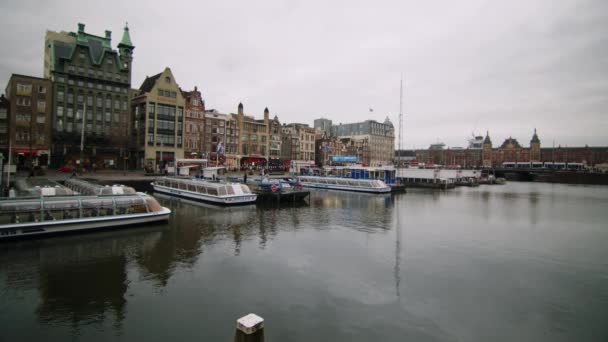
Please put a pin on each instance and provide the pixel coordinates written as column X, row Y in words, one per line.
column 344, row 159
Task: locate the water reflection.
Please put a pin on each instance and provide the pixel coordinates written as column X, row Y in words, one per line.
column 370, row 213
column 79, row 279
column 193, row 224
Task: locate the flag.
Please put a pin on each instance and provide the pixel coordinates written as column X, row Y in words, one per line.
column 219, row 148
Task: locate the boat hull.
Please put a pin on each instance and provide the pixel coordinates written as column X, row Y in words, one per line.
column 195, row 196
column 30, row 229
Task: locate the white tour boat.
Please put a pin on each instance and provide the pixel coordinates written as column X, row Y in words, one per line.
column 347, row 184
column 20, row 217
column 205, row 191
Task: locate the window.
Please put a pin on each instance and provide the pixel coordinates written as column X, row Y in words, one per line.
column 108, row 103
column 68, row 127
column 80, row 98
column 89, row 100
column 116, row 118
column 60, row 125
column 108, row 116
column 41, row 119
column 90, row 115
column 116, row 104
column 151, row 108
column 124, row 105
column 24, row 101
column 41, row 106
column 23, row 117
column 3, row 113
column 99, row 101
column 70, row 98
column 70, row 113
column 42, row 89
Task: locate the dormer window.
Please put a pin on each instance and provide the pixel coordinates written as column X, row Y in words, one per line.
column 168, row 79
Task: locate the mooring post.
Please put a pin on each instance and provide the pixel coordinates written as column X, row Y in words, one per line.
column 249, row 328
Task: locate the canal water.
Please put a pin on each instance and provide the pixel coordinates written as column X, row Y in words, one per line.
column 520, row 262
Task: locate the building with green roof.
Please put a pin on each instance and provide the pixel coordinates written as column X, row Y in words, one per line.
column 91, row 84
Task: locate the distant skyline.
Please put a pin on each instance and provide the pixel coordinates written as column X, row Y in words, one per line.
column 468, row 66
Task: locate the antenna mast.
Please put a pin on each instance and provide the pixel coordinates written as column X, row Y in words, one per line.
column 401, row 114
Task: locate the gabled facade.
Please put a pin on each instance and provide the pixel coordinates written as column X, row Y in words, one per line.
column 157, row 112
column 275, row 161
column 221, row 130
column 253, row 143
column 194, row 122
column 91, row 83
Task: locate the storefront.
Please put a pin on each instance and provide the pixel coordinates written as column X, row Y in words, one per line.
column 23, row 156
column 254, row 163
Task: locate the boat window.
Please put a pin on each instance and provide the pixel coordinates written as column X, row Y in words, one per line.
column 201, row 189
column 212, row 191
column 230, row 190
column 191, row 187
column 222, row 190
column 245, row 189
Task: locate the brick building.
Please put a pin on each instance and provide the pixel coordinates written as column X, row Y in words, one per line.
column 194, row 123
column 29, row 132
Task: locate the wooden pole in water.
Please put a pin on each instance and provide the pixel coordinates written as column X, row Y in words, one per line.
column 249, row 328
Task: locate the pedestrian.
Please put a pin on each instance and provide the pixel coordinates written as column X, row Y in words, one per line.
column 245, row 177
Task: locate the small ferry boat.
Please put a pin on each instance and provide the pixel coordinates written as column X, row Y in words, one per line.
column 347, row 184
column 205, row 191
column 20, row 217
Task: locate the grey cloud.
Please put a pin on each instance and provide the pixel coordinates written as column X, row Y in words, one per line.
column 475, row 65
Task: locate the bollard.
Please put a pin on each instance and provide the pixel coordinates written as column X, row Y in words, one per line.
column 249, row 328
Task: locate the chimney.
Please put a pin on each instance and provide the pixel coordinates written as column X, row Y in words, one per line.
column 80, row 28
column 108, row 34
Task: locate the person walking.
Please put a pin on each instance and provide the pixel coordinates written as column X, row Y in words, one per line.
column 245, row 177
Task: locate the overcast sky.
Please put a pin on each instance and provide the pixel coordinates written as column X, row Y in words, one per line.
column 468, row 66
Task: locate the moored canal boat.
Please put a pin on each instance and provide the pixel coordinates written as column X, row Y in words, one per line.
column 21, row 217
column 346, row 184
column 205, row 191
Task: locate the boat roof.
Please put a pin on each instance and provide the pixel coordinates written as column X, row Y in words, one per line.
column 199, row 182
